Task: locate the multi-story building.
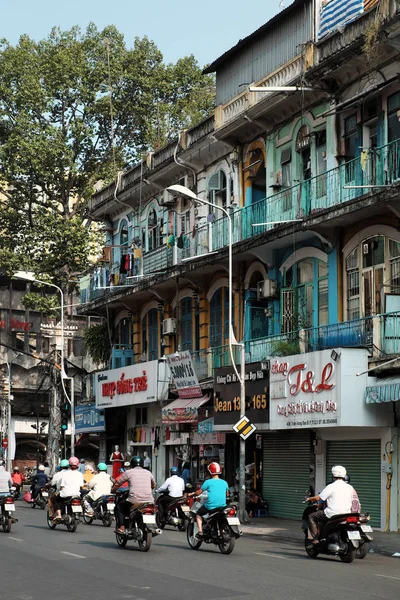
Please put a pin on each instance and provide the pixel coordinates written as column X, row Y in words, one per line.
column 309, row 172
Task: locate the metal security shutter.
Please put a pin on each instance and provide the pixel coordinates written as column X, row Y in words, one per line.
column 362, row 459
column 286, row 472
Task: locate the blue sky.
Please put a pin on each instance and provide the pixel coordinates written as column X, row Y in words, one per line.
column 206, row 29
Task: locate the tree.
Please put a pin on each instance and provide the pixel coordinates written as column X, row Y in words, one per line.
column 75, row 108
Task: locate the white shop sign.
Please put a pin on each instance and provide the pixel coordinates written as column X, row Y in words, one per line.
column 184, row 375
column 135, row 384
column 313, row 390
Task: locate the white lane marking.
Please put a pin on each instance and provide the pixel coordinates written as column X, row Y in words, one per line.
column 271, row 555
column 16, row 539
column 72, row 554
column 387, row 576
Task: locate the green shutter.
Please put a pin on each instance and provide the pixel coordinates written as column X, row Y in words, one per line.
column 362, row 459
column 286, row 472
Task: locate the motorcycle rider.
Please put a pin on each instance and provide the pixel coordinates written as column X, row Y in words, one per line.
column 218, row 492
column 5, row 482
column 70, row 484
column 175, row 486
column 99, row 485
column 38, row 481
column 141, row 483
column 338, row 497
column 17, row 479
column 64, row 465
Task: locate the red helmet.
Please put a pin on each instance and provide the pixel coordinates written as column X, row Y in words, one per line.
column 214, row 468
column 73, row 461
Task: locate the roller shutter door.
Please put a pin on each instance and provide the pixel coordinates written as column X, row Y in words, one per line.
column 285, row 472
column 362, row 459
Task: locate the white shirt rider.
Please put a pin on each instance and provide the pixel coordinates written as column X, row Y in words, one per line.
column 175, row 486
column 338, row 497
column 100, row 485
column 5, row 481
column 70, row 483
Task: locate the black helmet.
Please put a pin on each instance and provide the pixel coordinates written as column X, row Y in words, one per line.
column 347, row 478
column 137, row 461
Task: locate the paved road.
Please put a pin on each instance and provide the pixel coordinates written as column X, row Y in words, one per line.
column 36, row 563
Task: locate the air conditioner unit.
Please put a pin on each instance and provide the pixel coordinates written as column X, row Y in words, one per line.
column 169, row 326
column 167, row 199
column 266, row 289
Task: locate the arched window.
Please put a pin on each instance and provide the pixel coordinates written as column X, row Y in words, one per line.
column 186, row 324
column 217, row 189
column 123, row 332
column 150, row 334
column 219, row 317
column 154, row 231
column 123, row 234
column 373, row 277
column 304, row 296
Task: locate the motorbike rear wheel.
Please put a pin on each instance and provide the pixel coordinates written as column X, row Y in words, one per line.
column 88, row 520
column 350, row 554
column 33, row 504
column 145, row 543
column 7, row 524
column 50, row 523
column 229, row 542
column 363, row 550
column 311, row 549
column 107, row 519
column 72, row 524
column 121, row 540
column 191, row 531
column 160, row 522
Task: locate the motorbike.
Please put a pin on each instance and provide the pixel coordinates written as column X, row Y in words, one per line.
column 7, row 513
column 220, row 527
column 70, row 515
column 344, row 536
column 41, row 499
column 175, row 513
column 139, row 525
column 103, row 510
column 16, row 491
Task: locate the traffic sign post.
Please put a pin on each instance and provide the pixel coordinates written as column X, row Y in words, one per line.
column 244, row 428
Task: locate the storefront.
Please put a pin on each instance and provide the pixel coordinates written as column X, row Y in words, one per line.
column 320, row 418
column 227, row 413
column 130, row 398
column 90, row 426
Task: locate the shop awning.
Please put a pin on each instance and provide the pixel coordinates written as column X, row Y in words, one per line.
column 183, row 410
column 387, row 391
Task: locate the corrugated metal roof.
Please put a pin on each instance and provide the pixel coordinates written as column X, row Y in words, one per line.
column 259, row 32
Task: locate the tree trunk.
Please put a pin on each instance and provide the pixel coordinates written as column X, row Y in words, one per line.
column 54, row 437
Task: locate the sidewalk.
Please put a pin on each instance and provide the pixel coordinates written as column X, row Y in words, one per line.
column 290, row 531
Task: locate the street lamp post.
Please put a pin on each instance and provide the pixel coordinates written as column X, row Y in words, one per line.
column 10, row 357
column 182, row 191
column 29, row 276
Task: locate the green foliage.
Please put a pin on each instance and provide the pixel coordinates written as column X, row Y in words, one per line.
column 97, row 342
column 48, row 305
column 58, row 138
column 286, row 348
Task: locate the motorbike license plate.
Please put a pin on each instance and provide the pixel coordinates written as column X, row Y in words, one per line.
column 45, row 494
column 10, row 507
column 110, row 507
column 366, row 528
column 76, row 509
column 149, row 519
column 186, row 509
column 233, row 521
column 354, row 535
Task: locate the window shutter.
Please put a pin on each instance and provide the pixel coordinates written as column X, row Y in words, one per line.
column 214, row 182
column 286, row 156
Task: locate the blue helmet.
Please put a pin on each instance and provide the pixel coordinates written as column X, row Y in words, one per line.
column 174, row 471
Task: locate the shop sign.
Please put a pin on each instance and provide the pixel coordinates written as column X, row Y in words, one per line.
column 89, row 419
column 135, row 384
column 187, row 414
column 15, row 324
column 184, row 375
column 304, row 391
column 205, row 426
column 215, row 438
column 227, row 395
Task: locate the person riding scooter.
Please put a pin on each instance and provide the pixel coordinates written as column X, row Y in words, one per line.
column 175, row 486
column 217, row 490
column 338, row 497
column 99, row 485
column 39, row 481
column 17, row 479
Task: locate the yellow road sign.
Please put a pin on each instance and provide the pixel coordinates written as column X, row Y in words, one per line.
column 244, row 428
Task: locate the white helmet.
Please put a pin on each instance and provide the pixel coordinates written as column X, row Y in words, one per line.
column 41, row 468
column 339, row 472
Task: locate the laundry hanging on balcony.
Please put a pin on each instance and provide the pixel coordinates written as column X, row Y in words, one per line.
column 339, row 13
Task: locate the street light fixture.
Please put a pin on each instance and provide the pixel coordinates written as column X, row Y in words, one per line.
column 184, row 192
column 29, row 276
